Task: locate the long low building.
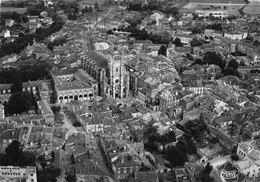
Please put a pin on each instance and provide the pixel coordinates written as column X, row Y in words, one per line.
column 15, row 173
column 217, row 8
column 72, row 84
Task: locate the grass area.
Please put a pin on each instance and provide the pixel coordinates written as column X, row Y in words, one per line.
column 13, row 9
column 218, row 1
column 72, row 117
column 252, row 8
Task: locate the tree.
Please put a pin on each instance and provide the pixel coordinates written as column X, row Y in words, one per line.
column 12, row 151
column 233, row 64
column 17, row 83
column 50, row 174
column 196, row 42
column 206, row 179
column 90, row 9
column 215, row 26
column 72, row 159
column 55, row 109
column 26, row 159
column 197, row 30
column 208, row 169
column 165, row 37
column 229, row 71
column 177, row 42
column 72, row 16
column 166, row 138
column 25, row 19
column 256, row 43
column 234, row 157
column 232, row 128
column 214, row 58
column 96, row 6
column 176, row 156
column 19, row 102
column 162, row 50
column 150, row 137
column 197, row 61
column 71, row 177
column 195, row 129
column 110, row 32
column 85, row 10
column 173, row 11
column 182, row 145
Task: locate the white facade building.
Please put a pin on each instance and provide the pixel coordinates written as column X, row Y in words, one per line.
column 14, row 173
column 205, row 13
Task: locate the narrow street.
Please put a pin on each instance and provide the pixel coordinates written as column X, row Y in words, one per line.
column 110, row 172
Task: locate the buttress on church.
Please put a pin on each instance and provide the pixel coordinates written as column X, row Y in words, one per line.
column 99, row 75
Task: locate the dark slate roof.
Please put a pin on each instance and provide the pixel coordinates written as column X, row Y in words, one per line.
column 222, row 136
column 101, row 60
column 64, row 71
column 230, row 168
column 149, row 176
column 73, row 85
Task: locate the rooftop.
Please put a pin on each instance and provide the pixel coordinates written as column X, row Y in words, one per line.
column 98, row 58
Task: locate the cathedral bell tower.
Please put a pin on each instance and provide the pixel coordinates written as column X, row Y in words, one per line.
column 117, row 75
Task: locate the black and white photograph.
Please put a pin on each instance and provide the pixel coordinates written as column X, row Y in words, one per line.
column 129, row 90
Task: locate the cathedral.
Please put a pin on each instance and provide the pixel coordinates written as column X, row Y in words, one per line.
column 109, row 70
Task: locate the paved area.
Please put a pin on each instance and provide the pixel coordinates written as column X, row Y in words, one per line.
column 219, row 161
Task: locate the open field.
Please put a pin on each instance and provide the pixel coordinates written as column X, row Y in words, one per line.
column 228, row 9
column 86, row 1
column 252, row 8
column 11, row 9
column 219, row 1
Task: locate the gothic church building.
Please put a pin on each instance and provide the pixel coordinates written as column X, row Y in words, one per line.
column 109, row 70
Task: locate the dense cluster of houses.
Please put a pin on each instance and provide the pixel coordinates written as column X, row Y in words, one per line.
column 114, row 86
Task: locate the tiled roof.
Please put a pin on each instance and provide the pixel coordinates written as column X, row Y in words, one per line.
column 194, row 168
column 148, row 176
column 64, row 71
column 125, row 160
column 230, row 173
column 5, row 86
column 45, row 108
column 98, row 58
column 73, row 85
column 222, row 136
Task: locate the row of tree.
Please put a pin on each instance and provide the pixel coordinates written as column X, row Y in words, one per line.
column 15, row 156
column 20, row 101
column 27, row 72
column 14, row 16
column 162, row 38
column 215, row 26
column 27, row 39
column 211, row 57
column 152, row 6
column 56, row 42
column 178, row 154
column 153, row 138
column 194, row 129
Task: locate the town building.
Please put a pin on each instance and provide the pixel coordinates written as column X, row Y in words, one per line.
column 2, row 111
column 73, row 84
column 109, row 71
column 46, row 111
column 228, row 172
column 15, row 173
